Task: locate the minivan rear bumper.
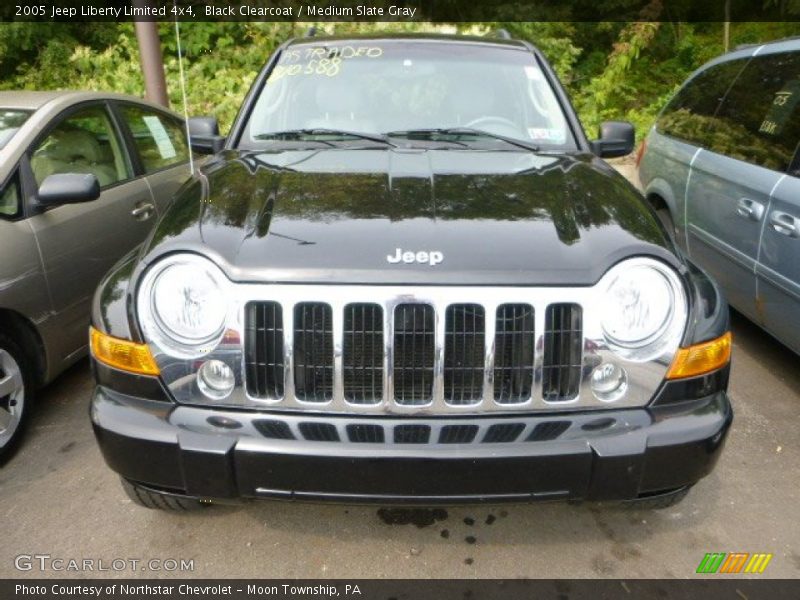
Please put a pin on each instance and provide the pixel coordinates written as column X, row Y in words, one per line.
column 225, row 454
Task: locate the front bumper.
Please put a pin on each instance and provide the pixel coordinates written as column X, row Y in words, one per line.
column 228, row 454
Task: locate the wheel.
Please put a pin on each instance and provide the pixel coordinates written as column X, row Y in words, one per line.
column 147, row 498
column 16, row 395
column 659, row 501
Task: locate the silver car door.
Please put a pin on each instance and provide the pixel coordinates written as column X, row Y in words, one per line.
column 160, row 142
column 727, row 204
column 779, row 264
column 80, row 242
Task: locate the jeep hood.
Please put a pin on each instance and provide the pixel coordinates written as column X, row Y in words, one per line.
column 335, row 215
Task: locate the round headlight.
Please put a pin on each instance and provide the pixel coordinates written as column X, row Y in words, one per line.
column 186, row 305
column 644, row 309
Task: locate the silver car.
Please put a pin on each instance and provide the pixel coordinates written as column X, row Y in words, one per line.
column 722, row 167
column 82, row 178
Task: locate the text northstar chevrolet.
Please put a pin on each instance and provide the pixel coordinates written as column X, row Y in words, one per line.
column 408, row 277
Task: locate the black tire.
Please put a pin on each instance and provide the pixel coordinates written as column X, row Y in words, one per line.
column 660, row 501
column 20, row 405
column 148, row 498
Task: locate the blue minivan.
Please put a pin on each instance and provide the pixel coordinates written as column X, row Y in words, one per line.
column 721, row 166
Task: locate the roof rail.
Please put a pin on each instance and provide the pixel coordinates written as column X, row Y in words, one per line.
column 790, row 38
column 502, row 34
column 311, row 32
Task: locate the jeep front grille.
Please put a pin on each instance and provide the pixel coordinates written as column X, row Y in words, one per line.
column 406, row 354
column 414, row 346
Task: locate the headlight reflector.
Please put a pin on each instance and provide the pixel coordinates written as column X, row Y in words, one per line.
column 188, row 303
column 644, row 309
column 183, row 306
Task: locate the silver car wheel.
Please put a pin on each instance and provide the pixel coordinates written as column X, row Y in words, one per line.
column 12, row 397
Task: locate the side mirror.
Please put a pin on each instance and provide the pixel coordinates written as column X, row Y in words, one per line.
column 616, row 138
column 204, row 135
column 68, row 188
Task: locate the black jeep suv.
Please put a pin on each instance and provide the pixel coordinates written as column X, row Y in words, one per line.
column 409, row 278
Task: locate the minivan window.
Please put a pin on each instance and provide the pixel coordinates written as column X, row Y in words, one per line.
column 377, row 87
column 759, row 121
column 10, row 122
column 690, row 113
column 161, row 140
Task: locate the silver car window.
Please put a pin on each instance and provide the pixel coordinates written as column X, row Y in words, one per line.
column 84, row 142
column 9, row 199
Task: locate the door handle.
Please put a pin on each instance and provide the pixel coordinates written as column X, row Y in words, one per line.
column 750, row 209
column 143, row 211
column 784, row 223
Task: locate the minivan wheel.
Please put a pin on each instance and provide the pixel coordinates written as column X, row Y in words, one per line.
column 149, row 498
column 16, row 395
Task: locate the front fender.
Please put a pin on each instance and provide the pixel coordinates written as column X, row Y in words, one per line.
column 112, row 305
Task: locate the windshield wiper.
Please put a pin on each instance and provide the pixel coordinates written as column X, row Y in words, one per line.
column 460, row 131
column 302, row 133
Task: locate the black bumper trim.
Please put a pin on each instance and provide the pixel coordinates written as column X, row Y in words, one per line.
column 637, row 452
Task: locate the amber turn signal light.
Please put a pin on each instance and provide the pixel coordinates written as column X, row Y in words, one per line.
column 701, row 358
column 122, row 354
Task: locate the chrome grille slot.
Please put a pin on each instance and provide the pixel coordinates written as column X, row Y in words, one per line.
column 464, row 354
column 412, row 434
column 563, row 352
column 264, row 350
column 513, row 355
column 547, row 431
column 414, row 348
column 365, row 433
column 503, row 432
column 457, row 434
column 273, row 429
column 363, row 353
column 319, row 432
column 313, row 352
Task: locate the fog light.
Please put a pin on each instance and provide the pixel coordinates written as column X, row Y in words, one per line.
column 609, row 382
column 215, row 379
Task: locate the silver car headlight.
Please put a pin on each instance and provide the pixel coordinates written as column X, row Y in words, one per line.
column 185, row 316
column 644, row 309
column 182, row 305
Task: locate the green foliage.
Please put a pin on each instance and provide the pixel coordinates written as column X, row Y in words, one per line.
column 611, row 70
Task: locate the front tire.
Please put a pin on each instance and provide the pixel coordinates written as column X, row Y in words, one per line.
column 16, row 395
column 148, row 498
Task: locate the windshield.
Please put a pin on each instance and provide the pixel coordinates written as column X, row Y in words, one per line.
column 410, row 90
column 10, row 121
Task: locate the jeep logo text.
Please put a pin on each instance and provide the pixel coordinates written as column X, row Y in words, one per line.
column 433, row 258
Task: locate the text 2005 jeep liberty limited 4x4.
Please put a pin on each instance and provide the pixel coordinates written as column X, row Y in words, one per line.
column 408, row 278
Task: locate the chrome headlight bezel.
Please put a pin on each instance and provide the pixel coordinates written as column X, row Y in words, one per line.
column 154, row 326
column 666, row 336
